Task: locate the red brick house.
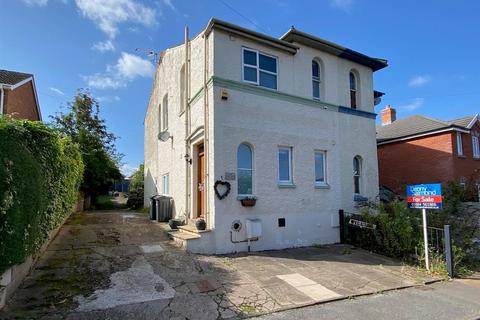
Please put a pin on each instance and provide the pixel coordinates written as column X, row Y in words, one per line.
column 18, row 96
column 419, row 149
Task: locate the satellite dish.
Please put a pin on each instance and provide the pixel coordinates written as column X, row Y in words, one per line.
column 164, row 136
column 377, row 101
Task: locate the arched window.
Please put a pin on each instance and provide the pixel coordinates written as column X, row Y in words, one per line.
column 315, row 79
column 182, row 89
column 245, row 169
column 160, row 129
column 165, row 113
column 357, row 174
column 353, row 90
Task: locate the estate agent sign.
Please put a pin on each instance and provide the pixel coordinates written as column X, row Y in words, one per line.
column 425, row 196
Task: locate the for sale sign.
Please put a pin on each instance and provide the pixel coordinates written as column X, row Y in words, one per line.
column 424, row 196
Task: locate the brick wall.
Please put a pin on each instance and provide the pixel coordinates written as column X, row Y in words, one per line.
column 466, row 166
column 21, row 102
column 423, row 160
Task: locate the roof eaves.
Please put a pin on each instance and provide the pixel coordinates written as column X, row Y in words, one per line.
column 420, row 134
column 253, row 35
column 474, row 119
column 293, row 35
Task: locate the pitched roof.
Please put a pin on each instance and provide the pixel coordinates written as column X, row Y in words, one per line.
column 418, row 124
column 13, row 77
column 286, row 43
column 462, row 122
column 294, row 35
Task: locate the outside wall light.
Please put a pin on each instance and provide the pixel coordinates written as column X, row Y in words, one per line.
column 188, row 158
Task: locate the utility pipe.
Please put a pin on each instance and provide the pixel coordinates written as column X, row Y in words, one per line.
column 206, row 131
column 2, row 94
column 187, row 127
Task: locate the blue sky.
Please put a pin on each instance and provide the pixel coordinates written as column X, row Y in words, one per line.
column 432, row 48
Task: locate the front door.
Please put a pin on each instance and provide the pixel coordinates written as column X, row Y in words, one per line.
column 201, row 181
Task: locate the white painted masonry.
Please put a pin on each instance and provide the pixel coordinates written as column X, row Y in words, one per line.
column 265, row 119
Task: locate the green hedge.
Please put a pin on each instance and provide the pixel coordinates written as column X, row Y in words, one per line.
column 40, row 173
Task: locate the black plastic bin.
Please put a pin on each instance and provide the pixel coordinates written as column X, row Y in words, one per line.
column 164, row 208
column 153, row 208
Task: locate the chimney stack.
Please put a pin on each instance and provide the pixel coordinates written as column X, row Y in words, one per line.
column 389, row 115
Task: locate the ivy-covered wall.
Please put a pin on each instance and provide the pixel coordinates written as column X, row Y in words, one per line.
column 40, row 173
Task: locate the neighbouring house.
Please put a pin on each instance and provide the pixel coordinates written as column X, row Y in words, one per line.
column 265, row 138
column 18, row 96
column 419, row 149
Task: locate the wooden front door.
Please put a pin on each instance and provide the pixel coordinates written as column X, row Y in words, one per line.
column 201, row 181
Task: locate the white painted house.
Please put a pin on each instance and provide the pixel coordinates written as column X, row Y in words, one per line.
column 287, row 121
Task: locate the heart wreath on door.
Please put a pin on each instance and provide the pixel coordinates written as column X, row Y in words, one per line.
column 222, row 189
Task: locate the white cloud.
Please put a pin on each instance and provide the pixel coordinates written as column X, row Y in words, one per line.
column 345, row 5
column 108, row 99
column 169, row 4
column 39, row 3
column 108, row 14
column 104, row 46
column 127, row 170
column 413, row 105
column 418, row 81
column 58, row 91
column 131, row 66
column 128, row 68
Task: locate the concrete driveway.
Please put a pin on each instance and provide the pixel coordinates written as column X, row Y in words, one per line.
column 120, row 265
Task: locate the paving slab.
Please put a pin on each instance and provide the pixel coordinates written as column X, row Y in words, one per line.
column 121, row 265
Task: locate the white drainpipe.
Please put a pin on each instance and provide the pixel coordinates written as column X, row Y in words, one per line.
column 2, row 92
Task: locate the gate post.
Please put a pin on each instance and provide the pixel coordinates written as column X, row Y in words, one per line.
column 341, row 220
column 448, row 250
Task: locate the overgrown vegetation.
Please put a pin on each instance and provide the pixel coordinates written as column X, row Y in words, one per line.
column 398, row 232
column 135, row 198
column 40, row 172
column 82, row 123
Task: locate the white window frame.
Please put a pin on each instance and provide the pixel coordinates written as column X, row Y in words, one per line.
column 459, row 144
column 317, row 80
column 165, row 113
column 290, row 168
column 354, row 90
column 358, row 174
column 160, row 120
column 246, row 169
column 324, row 155
column 475, row 147
column 166, row 184
column 257, row 67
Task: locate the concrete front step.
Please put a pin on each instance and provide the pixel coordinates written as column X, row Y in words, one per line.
column 188, row 228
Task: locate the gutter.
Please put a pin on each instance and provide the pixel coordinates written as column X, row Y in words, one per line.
column 249, row 34
column 2, row 93
column 428, row 133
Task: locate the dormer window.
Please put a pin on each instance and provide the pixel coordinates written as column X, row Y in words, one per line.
column 259, row 69
column 353, row 91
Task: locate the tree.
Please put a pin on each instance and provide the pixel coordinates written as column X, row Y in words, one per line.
column 82, row 123
column 135, row 198
column 136, row 180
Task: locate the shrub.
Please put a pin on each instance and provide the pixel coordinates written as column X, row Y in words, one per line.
column 40, row 173
column 396, row 233
column 135, row 199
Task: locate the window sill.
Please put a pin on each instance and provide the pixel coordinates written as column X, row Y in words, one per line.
column 286, row 185
column 245, row 197
column 359, row 198
column 322, row 186
column 259, row 86
column 461, row 156
column 476, row 158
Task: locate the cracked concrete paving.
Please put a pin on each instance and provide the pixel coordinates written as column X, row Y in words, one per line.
column 120, row 265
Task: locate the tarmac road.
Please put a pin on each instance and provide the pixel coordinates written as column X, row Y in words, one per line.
column 459, row 299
